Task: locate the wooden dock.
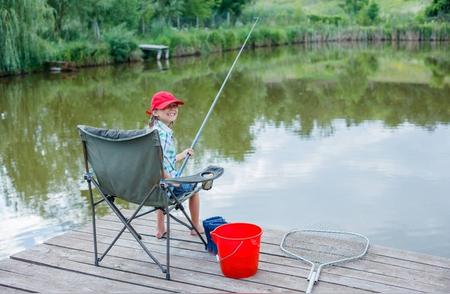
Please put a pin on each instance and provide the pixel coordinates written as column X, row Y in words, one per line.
column 65, row 264
column 160, row 50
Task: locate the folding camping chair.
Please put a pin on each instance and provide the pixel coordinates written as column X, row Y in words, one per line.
column 128, row 165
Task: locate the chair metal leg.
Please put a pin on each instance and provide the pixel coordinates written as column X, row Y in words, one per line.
column 134, row 234
column 192, row 227
column 112, row 244
column 128, row 225
column 94, row 229
column 167, row 240
column 191, row 224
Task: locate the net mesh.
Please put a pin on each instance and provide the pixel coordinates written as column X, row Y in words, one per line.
column 324, row 247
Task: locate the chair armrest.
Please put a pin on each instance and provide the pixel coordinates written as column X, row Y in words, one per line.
column 208, row 174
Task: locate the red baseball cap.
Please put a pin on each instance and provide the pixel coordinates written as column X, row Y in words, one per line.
column 161, row 100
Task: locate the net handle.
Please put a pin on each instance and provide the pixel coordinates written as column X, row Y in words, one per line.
column 312, row 280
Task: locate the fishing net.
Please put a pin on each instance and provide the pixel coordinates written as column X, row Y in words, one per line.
column 320, row 248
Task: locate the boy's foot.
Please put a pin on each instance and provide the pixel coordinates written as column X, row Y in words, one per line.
column 161, row 234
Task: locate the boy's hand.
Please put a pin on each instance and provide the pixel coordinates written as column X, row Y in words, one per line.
column 185, row 153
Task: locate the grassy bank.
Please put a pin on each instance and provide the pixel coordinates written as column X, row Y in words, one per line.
column 204, row 41
column 118, row 47
column 29, row 43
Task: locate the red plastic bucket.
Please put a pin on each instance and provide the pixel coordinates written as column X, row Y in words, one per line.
column 238, row 248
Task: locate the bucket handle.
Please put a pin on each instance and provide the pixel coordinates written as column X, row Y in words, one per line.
column 231, row 254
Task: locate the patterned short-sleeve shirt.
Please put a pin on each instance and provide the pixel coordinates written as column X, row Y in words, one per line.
column 168, row 147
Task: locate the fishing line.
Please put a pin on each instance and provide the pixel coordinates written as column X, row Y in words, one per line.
column 197, row 136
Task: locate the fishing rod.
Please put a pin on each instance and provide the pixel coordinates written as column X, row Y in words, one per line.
column 197, row 136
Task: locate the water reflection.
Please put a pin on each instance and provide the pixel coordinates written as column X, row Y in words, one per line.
column 355, row 122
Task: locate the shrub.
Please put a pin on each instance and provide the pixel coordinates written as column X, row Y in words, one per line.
column 216, row 39
column 82, row 53
column 121, row 43
column 229, row 39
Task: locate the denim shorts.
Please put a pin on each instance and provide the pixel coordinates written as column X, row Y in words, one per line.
column 183, row 189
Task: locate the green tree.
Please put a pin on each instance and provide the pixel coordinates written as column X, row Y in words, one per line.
column 169, row 10
column 231, row 7
column 353, row 7
column 198, row 9
column 146, row 11
column 372, row 11
column 22, row 24
column 61, row 10
column 369, row 14
column 93, row 13
column 123, row 12
column 438, row 9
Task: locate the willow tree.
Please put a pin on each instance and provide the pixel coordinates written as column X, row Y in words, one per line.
column 21, row 23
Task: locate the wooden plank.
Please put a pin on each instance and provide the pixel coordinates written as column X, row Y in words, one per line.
column 38, row 278
column 204, row 269
column 400, row 257
column 400, row 261
column 426, row 269
column 275, row 236
column 194, row 270
column 412, row 256
column 286, row 265
column 272, row 269
column 392, row 274
column 184, row 259
column 74, row 259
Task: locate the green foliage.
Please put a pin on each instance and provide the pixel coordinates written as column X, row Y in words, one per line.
column 439, row 9
column 122, row 43
column 369, row 14
column 22, row 24
column 275, row 14
column 101, row 31
column 216, row 39
column 229, row 39
column 95, row 12
column 234, row 7
column 83, row 52
column 61, row 10
column 199, row 9
column 334, row 19
column 166, row 10
column 146, row 12
column 123, row 12
column 372, row 11
column 353, row 7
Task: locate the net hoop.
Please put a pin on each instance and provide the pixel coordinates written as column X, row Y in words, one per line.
column 364, row 251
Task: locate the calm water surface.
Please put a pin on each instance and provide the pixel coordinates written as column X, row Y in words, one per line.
column 349, row 137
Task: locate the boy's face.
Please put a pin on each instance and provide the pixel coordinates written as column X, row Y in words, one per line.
column 167, row 115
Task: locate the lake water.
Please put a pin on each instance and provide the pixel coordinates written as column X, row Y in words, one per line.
column 354, row 137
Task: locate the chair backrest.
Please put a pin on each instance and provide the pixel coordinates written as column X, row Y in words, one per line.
column 127, row 164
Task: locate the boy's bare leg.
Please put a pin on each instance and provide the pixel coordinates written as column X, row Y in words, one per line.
column 194, row 209
column 160, row 226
